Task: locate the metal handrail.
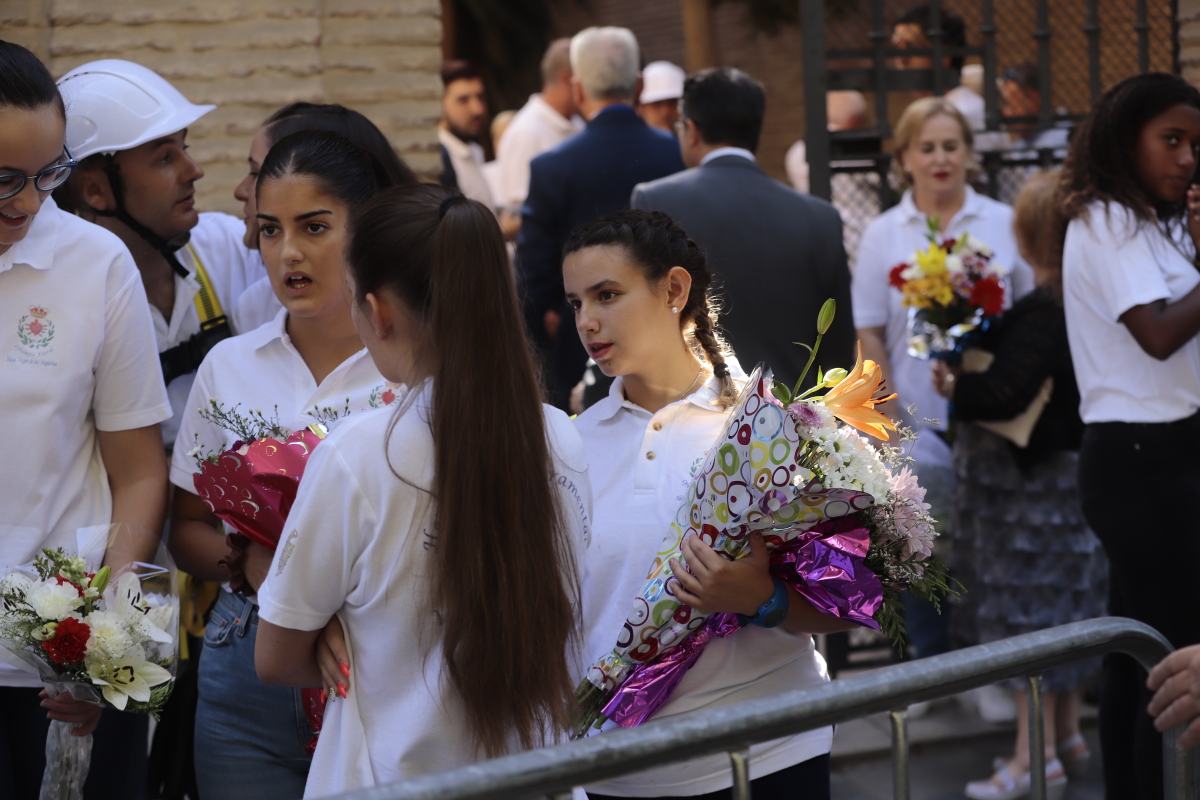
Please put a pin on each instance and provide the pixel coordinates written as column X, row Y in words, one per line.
column 554, row 770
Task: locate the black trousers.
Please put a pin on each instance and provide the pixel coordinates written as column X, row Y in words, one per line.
column 808, row 780
column 118, row 769
column 1140, row 486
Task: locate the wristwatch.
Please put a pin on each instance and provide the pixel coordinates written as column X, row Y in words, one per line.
column 772, row 612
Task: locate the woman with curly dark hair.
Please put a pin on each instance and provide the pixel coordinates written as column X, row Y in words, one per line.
column 1132, row 299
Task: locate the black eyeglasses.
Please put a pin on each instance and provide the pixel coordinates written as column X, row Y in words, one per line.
column 46, row 179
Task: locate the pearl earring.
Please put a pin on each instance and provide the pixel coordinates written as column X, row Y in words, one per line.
column 674, row 309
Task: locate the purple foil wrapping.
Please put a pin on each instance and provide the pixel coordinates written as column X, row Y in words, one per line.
column 826, row 565
column 649, row 685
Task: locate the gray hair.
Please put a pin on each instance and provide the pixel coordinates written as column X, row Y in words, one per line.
column 605, row 60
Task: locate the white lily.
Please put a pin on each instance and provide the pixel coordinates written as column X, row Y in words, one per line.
column 123, row 597
column 127, row 678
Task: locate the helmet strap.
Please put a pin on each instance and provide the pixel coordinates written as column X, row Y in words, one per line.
column 121, row 213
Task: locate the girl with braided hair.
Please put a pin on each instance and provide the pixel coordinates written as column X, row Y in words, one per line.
column 640, row 289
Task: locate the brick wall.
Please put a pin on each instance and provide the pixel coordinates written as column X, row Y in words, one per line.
column 252, row 56
column 1188, row 16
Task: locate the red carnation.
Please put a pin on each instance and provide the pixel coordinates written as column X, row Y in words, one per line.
column 988, row 294
column 894, row 277
column 69, row 643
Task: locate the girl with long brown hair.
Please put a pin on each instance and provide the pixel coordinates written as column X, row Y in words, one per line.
column 443, row 535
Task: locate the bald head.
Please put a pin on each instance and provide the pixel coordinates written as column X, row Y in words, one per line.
column 845, row 111
column 556, row 61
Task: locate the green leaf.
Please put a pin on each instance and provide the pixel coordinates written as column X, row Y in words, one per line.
column 782, row 392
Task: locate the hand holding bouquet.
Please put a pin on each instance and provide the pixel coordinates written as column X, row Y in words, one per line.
column 950, row 287
column 845, row 523
column 251, row 487
column 101, row 638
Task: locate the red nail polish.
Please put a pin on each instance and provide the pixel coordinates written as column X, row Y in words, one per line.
column 342, row 690
column 345, row 668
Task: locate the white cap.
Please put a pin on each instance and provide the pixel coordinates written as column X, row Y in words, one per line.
column 115, row 105
column 661, row 80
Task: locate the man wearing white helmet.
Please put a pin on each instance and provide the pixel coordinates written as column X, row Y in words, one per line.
column 127, row 127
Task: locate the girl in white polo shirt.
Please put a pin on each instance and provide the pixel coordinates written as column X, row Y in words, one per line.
column 1132, row 298
column 308, row 365
column 81, row 398
column 639, row 288
column 445, row 535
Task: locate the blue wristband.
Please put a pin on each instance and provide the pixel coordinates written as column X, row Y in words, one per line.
column 774, row 611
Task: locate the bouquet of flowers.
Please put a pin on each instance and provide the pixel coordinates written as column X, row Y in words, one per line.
column 845, row 523
column 950, row 287
column 101, row 637
column 251, row 487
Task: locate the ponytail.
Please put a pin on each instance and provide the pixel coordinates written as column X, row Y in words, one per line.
column 503, row 572
column 656, row 244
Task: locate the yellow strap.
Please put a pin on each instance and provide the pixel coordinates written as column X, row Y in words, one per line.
column 208, row 305
column 195, row 600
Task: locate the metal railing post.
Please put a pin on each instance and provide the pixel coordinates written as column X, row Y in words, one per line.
column 816, row 126
column 899, row 754
column 739, row 763
column 1037, row 740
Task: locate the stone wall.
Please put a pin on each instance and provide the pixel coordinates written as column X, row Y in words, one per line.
column 252, row 56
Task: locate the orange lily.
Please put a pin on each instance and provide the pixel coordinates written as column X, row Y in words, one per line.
column 853, row 399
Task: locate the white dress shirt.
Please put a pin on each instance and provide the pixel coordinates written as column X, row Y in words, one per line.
column 895, row 236
column 641, row 466
column 535, row 129
column 467, row 158
column 1111, row 263
column 77, row 356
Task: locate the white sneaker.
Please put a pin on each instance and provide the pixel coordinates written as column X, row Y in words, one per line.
column 1006, row 784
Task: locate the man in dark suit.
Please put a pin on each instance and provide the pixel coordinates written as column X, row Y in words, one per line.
column 588, row 175
column 778, row 254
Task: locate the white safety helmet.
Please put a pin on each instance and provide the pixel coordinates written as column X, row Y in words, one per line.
column 115, row 105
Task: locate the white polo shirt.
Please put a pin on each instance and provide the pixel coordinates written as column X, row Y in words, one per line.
column 76, row 356
column 262, row 371
column 231, row 267
column 894, row 236
column 1111, row 263
column 258, row 305
column 535, row 129
column 363, row 556
column 641, row 466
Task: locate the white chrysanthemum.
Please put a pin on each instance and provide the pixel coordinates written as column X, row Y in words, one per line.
column 110, row 637
column 954, row 264
column 851, row 463
column 53, row 601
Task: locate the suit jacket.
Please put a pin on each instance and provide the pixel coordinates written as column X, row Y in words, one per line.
column 587, row 176
column 776, row 254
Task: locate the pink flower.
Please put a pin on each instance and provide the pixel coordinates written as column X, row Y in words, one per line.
column 904, row 485
column 809, row 415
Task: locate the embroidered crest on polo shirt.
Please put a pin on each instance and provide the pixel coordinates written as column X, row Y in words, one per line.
column 35, row 330
column 383, row 395
column 35, row 339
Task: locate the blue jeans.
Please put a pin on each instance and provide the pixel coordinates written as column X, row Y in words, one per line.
column 250, row 737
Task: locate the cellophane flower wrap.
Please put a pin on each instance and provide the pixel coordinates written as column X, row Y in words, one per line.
column 845, row 524
column 251, row 487
column 102, row 637
column 949, row 288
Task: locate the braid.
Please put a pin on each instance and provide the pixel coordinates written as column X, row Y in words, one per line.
column 657, row 244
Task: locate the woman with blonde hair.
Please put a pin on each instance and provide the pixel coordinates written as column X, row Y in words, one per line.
column 934, row 160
